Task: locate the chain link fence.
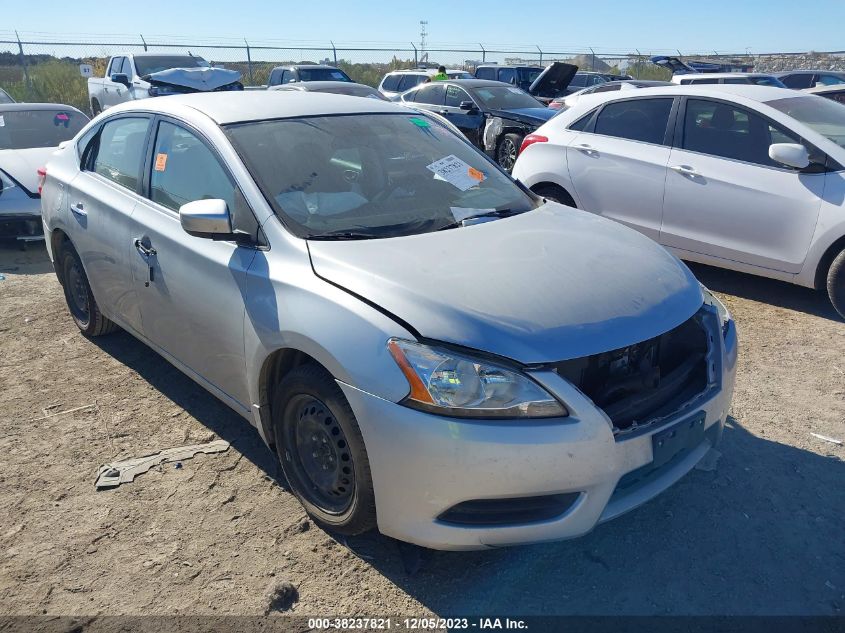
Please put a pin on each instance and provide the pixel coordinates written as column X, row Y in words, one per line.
column 46, row 68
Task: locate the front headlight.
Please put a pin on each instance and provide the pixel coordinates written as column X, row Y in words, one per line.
column 724, row 314
column 451, row 384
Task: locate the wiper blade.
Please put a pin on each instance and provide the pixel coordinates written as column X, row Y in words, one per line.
column 342, row 235
column 495, row 213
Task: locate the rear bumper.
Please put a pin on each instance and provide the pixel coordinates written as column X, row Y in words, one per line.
column 23, row 221
column 423, row 465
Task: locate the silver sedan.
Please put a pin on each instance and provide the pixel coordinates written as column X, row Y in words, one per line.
column 429, row 348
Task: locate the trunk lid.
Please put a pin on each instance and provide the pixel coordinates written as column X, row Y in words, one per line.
column 553, row 81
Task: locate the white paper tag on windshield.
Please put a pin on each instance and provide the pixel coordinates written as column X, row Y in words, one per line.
column 2, row 121
column 460, row 213
column 457, row 172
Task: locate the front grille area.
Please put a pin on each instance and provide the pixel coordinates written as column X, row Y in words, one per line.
column 513, row 511
column 642, row 383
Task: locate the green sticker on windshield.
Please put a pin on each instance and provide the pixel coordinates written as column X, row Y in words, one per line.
column 420, row 122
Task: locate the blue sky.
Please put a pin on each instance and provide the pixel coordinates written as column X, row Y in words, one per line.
column 608, row 25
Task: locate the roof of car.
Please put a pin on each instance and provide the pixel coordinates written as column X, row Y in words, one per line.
column 473, row 83
column 256, row 105
column 752, row 92
column 306, row 66
column 424, row 71
column 509, row 66
column 802, row 71
column 25, row 107
column 314, row 86
column 722, row 75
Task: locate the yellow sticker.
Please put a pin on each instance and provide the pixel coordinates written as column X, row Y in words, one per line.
column 161, row 162
column 475, row 174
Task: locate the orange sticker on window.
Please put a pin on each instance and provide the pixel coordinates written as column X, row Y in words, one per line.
column 475, row 174
column 161, row 162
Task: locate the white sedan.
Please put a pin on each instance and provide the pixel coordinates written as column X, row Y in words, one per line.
column 744, row 177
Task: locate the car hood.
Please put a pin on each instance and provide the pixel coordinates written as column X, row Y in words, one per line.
column 548, row 285
column 23, row 164
column 554, row 80
column 673, row 64
column 199, row 79
column 536, row 116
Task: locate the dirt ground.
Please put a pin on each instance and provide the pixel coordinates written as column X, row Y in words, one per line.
column 762, row 533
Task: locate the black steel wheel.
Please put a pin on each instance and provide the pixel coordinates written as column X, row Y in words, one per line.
column 80, row 300
column 322, row 451
column 508, row 150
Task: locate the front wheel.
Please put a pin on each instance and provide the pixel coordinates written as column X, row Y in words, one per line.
column 322, row 451
column 508, row 150
column 836, row 283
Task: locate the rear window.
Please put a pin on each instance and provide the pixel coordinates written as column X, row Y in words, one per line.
column 149, row 64
column 486, row 73
column 322, row 74
column 642, row 120
column 391, row 83
column 22, row 129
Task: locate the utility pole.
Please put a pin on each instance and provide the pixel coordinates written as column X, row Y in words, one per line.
column 23, row 64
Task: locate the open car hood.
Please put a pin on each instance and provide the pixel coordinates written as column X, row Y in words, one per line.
column 673, row 64
column 547, row 285
column 553, row 81
column 198, row 79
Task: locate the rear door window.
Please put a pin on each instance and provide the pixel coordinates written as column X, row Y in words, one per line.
column 120, row 151
column 643, row 120
column 409, row 81
column 433, row 94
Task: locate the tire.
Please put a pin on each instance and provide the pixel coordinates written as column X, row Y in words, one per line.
column 555, row 194
column 80, row 300
column 322, row 452
column 836, row 283
column 507, row 150
column 95, row 107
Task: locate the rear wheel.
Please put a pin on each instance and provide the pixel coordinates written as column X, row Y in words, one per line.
column 554, row 193
column 322, row 451
column 836, row 283
column 81, row 304
column 508, row 150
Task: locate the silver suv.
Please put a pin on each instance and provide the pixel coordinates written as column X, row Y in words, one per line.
column 428, row 347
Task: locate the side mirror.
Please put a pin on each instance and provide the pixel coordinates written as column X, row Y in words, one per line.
column 120, row 78
column 467, row 105
column 207, row 218
column 790, row 154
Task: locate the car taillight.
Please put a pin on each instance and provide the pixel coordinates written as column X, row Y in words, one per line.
column 531, row 139
column 42, row 176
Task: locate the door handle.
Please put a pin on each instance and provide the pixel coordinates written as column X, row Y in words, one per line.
column 78, row 209
column 587, row 149
column 144, row 247
column 685, row 170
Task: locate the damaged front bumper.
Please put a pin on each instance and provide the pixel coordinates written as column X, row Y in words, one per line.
column 457, row 484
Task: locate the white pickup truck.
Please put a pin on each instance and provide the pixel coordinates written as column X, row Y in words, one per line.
column 141, row 75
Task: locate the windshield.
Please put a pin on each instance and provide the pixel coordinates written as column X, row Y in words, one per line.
column 322, row 74
column 505, row 98
column 149, row 64
column 822, row 115
column 371, row 175
column 23, row 129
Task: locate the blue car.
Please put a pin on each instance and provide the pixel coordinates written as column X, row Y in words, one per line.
column 493, row 115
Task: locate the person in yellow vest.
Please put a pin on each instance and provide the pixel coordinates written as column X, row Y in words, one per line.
column 441, row 74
